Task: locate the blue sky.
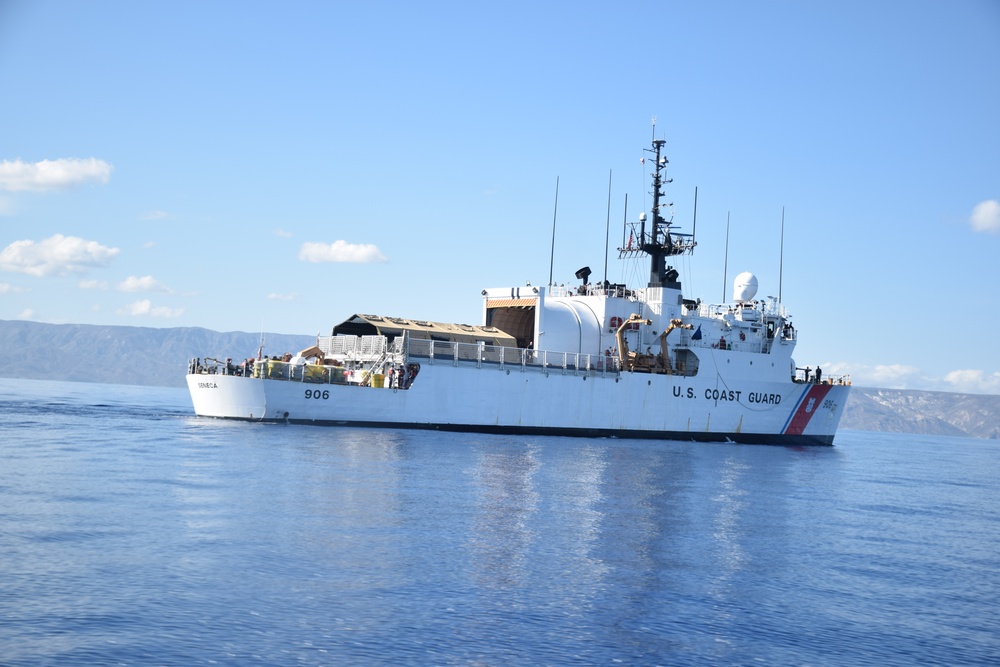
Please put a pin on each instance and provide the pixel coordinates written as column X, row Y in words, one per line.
column 248, row 166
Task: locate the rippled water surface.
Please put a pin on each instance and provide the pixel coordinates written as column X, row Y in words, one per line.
column 134, row 533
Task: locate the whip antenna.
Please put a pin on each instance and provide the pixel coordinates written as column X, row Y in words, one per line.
column 781, row 253
column 552, row 255
column 694, row 224
column 725, row 268
column 607, row 229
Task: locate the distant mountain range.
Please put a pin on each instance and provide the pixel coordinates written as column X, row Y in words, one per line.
column 929, row 412
column 125, row 355
column 159, row 357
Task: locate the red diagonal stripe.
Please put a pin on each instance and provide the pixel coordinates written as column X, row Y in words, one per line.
column 807, row 408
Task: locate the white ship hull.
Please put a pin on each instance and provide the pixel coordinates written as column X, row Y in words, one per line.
column 516, row 398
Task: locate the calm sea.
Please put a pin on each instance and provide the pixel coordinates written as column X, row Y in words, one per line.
column 133, row 533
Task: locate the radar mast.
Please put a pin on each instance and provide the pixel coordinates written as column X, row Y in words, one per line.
column 659, row 241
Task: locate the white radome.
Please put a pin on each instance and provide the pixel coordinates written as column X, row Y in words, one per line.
column 744, row 287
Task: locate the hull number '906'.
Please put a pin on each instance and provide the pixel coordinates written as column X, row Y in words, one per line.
column 317, row 394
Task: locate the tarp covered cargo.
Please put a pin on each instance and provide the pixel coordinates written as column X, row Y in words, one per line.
column 368, row 325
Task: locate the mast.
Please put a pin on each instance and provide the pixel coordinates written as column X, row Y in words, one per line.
column 658, row 251
column 661, row 241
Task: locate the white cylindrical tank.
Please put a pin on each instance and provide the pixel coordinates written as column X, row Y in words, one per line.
column 569, row 326
column 744, row 287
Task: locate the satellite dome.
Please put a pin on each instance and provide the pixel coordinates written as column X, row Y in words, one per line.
column 744, row 287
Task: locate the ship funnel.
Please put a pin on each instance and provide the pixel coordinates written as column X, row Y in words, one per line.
column 744, row 287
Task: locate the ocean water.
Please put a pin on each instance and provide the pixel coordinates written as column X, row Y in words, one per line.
column 133, row 533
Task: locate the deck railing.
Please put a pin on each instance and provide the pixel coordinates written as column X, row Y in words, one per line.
column 365, row 359
column 511, row 357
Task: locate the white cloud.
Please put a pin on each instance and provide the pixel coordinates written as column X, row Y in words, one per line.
column 154, row 215
column 341, row 251
column 986, row 217
column 26, row 314
column 283, row 233
column 274, row 296
column 901, row 376
column 973, row 382
column 893, row 373
column 885, row 376
column 144, row 284
column 57, row 255
column 93, row 284
column 19, row 176
column 7, row 288
column 6, row 206
column 145, row 308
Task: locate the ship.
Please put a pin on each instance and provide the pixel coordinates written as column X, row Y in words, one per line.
column 589, row 360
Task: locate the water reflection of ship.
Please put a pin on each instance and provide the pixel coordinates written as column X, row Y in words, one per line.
column 502, row 535
column 728, row 525
column 593, row 514
column 646, row 504
column 355, row 486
